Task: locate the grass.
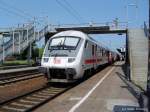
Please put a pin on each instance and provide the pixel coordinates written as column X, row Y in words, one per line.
column 17, row 62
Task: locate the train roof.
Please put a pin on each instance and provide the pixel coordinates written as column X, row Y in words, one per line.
column 71, row 33
column 78, row 34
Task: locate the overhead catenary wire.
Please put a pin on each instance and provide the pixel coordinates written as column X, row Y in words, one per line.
column 13, row 13
column 16, row 10
column 69, row 11
column 73, row 9
column 10, row 9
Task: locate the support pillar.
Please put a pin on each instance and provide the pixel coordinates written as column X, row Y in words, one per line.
column 127, row 61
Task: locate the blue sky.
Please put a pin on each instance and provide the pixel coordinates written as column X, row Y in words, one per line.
column 84, row 11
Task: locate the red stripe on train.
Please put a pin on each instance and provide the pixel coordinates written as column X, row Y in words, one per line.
column 91, row 61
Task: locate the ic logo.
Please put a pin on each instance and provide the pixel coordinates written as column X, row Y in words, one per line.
column 56, row 61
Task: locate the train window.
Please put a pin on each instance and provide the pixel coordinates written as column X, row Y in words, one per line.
column 96, row 48
column 92, row 49
column 86, row 44
column 57, row 41
column 107, row 53
column 71, row 41
column 102, row 52
column 64, row 43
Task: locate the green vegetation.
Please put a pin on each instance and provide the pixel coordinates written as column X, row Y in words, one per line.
column 22, row 58
column 41, row 50
column 17, row 62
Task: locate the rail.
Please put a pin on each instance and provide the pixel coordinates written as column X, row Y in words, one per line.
column 13, row 79
column 34, row 99
column 13, row 67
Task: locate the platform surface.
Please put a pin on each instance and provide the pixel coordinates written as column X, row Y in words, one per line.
column 106, row 91
column 17, row 70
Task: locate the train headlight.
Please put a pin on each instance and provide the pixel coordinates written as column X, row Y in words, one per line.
column 45, row 59
column 70, row 60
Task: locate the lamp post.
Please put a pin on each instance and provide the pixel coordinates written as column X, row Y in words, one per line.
column 127, row 12
column 149, row 19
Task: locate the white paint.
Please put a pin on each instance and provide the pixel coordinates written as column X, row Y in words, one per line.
column 75, row 98
column 90, row 92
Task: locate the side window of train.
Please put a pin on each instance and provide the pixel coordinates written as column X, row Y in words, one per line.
column 102, row 51
column 86, row 44
column 95, row 48
column 92, row 49
column 107, row 53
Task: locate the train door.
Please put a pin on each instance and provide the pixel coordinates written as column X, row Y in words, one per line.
column 96, row 63
column 93, row 55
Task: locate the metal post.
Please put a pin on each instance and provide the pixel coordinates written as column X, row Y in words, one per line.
column 29, row 53
column 136, row 16
column 13, row 42
column 3, row 48
column 136, row 13
column 34, row 28
column 34, row 33
column 19, row 44
column 136, row 10
column 27, row 36
column 127, row 15
column 38, row 35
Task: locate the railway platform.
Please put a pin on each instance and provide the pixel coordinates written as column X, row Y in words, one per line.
column 106, row 91
column 14, row 70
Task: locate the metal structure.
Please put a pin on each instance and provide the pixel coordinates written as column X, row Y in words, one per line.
column 18, row 39
column 89, row 28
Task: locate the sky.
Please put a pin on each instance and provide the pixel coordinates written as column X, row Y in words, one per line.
column 14, row 12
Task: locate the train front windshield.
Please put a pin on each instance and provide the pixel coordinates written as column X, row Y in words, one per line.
column 63, row 43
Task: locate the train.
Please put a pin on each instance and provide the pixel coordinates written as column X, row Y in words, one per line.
column 71, row 55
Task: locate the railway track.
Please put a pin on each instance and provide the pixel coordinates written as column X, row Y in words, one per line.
column 13, row 67
column 15, row 78
column 32, row 100
column 15, row 75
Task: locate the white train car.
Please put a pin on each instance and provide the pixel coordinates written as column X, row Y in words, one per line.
column 69, row 55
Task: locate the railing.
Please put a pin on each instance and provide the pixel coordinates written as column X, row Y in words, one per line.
column 8, row 50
